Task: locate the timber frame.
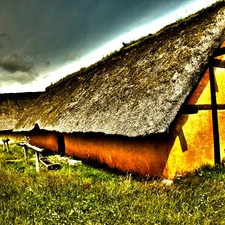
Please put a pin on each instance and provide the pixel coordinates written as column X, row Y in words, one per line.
column 216, row 139
column 192, row 109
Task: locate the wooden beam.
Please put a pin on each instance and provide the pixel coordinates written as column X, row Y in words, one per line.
column 35, row 148
column 37, row 160
column 50, row 165
column 219, row 63
column 207, row 106
column 215, row 124
column 219, row 51
column 25, row 154
column 189, row 109
column 61, row 144
column 193, row 109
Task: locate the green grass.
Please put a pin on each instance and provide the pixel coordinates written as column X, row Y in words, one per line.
column 85, row 195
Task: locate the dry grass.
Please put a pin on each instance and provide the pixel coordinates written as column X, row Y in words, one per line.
column 87, row 195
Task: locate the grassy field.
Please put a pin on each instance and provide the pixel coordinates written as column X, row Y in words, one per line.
column 85, row 195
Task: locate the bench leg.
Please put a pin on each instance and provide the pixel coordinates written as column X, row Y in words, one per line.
column 25, row 153
column 37, row 161
column 7, row 146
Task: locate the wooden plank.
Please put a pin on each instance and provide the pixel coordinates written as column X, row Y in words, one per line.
column 17, row 160
column 208, row 106
column 219, row 51
column 193, row 109
column 219, row 63
column 49, row 164
column 25, row 154
column 35, row 148
column 37, row 160
column 189, row 109
column 32, row 147
column 215, row 124
column 13, row 160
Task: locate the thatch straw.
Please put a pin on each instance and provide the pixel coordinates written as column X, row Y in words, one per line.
column 138, row 90
column 12, row 106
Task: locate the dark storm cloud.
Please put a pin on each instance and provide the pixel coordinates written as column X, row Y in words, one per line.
column 55, row 27
column 22, row 68
column 44, row 32
column 16, row 69
column 13, row 63
column 38, row 60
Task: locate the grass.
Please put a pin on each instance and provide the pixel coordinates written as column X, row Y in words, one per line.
column 85, row 195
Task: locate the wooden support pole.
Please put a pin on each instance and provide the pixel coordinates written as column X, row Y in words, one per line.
column 37, row 160
column 219, row 52
column 61, row 144
column 6, row 144
column 3, row 145
column 25, row 153
column 37, row 152
column 215, row 124
column 219, row 63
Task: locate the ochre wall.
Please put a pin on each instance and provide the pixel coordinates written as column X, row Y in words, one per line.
column 142, row 156
column 44, row 139
column 193, row 144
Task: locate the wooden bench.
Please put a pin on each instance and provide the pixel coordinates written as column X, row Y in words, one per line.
column 50, row 165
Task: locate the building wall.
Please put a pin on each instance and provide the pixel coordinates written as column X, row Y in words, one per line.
column 191, row 145
column 45, row 139
column 187, row 146
column 193, row 134
column 143, row 156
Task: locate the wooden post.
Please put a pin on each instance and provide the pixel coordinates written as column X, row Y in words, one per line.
column 25, row 153
column 37, row 151
column 61, row 144
column 37, row 160
column 6, row 144
column 215, row 124
column 3, row 145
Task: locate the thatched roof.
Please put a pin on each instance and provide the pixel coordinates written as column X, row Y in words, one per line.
column 138, row 90
column 12, row 106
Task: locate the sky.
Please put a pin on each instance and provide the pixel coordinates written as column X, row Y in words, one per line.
column 42, row 41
